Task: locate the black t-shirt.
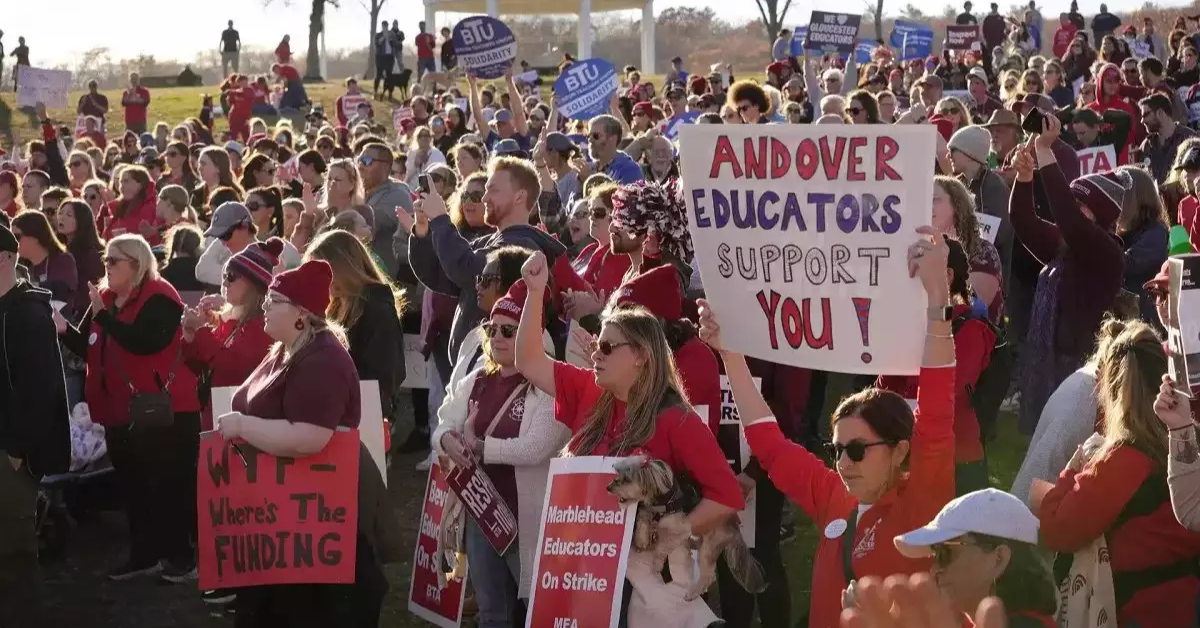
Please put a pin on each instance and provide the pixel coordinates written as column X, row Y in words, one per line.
column 22, row 55
column 965, row 19
column 230, row 40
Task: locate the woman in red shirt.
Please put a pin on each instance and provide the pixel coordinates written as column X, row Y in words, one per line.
column 605, row 269
column 224, row 347
column 10, row 193
column 1119, row 492
column 303, row 390
column 631, row 402
column 137, row 206
column 869, row 498
column 283, row 52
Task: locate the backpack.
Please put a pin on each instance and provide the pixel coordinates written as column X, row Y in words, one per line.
column 995, row 376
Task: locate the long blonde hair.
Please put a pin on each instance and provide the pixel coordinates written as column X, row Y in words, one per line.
column 966, row 223
column 347, row 167
column 1143, row 204
column 138, row 251
column 1130, row 370
column 657, row 387
column 354, row 271
column 1177, row 173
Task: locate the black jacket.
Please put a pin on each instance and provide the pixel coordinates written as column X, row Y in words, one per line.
column 34, row 423
column 377, row 343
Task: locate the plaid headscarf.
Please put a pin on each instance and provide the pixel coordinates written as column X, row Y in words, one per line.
column 645, row 208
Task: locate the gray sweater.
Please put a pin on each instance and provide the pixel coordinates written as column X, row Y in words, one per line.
column 383, row 202
column 1067, row 420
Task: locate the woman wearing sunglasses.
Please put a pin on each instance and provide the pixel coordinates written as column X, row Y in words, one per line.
column 605, row 269
column 80, row 170
column 179, row 167
column 368, row 307
column 869, row 496
column 1117, row 494
column 983, row 545
column 495, row 417
column 862, row 108
column 630, row 401
column 466, row 207
column 132, row 341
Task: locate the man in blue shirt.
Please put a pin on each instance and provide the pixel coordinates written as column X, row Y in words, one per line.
column 604, row 135
column 505, row 124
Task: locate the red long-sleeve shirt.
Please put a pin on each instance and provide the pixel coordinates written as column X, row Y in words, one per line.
column 911, row 503
column 231, row 361
column 1084, row 505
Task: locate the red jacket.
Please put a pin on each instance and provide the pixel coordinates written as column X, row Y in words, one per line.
column 135, row 108
column 97, row 138
column 1102, row 104
column 1125, row 498
column 108, row 364
column 819, row 491
column 132, row 221
column 701, row 378
column 606, row 270
column 229, row 360
column 347, row 104
column 12, row 209
column 1186, row 216
column 1063, row 37
column 973, row 344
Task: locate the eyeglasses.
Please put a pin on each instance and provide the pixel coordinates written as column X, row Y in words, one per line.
column 472, row 196
column 854, row 111
column 943, row 553
column 271, row 301
column 855, row 449
column 950, row 111
column 606, row 348
column 486, row 279
column 231, row 277
column 252, row 206
column 599, row 213
column 113, row 260
column 77, row 164
column 506, row 330
column 366, row 160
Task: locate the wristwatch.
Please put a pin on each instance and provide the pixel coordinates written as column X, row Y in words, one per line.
column 941, row 313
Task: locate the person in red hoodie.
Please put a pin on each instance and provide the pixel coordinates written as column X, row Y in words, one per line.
column 869, row 498
column 137, row 209
column 241, row 104
column 132, row 339
column 1108, row 96
column 136, row 101
column 10, row 193
column 227, row 345
column 973, row 343
column 1063, row 36
column 346, row 106
column 1118, row 491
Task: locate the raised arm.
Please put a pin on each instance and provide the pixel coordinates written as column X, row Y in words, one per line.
column 1039, row 236
column 520, row 122
column 476, row 111
column 531, row 359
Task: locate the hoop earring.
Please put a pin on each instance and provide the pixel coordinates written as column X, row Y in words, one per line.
column 299, row 325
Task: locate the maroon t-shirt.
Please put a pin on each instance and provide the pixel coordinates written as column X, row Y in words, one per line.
column 318, row 386
column 490, row 392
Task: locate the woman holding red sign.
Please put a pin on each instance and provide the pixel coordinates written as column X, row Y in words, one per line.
column 631, row 402
column 507, row 424
column 303, row 390
column 869, row 498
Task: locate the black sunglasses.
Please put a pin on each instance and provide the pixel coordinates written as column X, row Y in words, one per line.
column 231, row 277
column 743, row 108
column 599, row 213
column 606, row 348
column 853, row 110
column 77, row 164
column 252, row 206
column 113, row 260
column 855, row 449
column 506, row 330
column 486, row 279
column 943, row 553
column 472, row 196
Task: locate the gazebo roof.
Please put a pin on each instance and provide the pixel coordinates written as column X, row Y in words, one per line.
column 533, row 7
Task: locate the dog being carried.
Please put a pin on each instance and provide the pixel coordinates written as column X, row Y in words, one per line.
column 661, row 525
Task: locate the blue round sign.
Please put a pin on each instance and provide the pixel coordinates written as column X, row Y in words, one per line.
column 485, row 46
column 585, row 89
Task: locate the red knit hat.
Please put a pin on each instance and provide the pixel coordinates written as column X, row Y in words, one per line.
column 657, row 290
column 777, row 68
column 306, row 286
column 512, row 304
column 257, row 262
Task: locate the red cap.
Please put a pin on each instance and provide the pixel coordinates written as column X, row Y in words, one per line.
column 306, row 286
column 644, row 108
column 776, row 68
column 512, row 304
column 657, row 290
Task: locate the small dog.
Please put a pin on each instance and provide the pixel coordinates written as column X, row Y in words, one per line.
column 662, row 525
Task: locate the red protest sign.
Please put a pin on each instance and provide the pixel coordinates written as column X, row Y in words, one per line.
column 268, row 520
column 961, row 37
column 485, row 505
column 427, row 599
column 583, row 548
column 400, row 114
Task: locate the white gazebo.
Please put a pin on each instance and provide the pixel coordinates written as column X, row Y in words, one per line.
column 582, row 8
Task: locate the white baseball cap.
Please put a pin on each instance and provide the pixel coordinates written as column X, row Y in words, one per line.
column 990, row 511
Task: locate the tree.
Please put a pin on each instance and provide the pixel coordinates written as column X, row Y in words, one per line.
column 876, row 10
column 773, row 16
column 316, row 23
column 374, row 10
column 911, row 12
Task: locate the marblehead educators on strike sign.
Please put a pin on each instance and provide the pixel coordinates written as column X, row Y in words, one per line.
column 812, row 223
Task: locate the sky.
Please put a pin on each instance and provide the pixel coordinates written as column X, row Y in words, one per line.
column 84, row 24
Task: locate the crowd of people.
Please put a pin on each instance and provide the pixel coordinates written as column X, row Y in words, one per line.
column 547, row 268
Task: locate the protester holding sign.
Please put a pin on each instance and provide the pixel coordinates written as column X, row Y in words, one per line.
column 139, row 390
column 1084, row 265
column 868, row 496
column 495, row 418
column 1174, row 410
column 1111, row 497
column 303, row 390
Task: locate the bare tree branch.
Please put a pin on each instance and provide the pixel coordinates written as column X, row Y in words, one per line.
column 783, row 14
column 761, row 11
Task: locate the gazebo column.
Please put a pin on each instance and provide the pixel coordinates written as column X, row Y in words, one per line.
column 648, row 53
column 493, row 8
column 585, row 29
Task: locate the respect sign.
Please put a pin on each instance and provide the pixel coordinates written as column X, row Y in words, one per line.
column 833, row 32
column 485, row 46
column 585, row 89
column 485, row 505
column 36, row 85
column 812, row 225
column 1096, row 160
column 269, row 520
column 961, row 37
column 428, row 598
column 583, row 547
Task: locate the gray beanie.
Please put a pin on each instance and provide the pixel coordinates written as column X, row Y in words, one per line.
column 973, row 141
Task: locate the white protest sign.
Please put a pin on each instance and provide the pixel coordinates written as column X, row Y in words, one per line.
column 415, row 375
column 370, row 427
column 1096, row 159
column 36, row 85
column 1183, row 322
column 400, row 114
column 731, row 435
column 802, row 232
column 988, row 226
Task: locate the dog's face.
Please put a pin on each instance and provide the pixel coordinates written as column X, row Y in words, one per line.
column 640, row 479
